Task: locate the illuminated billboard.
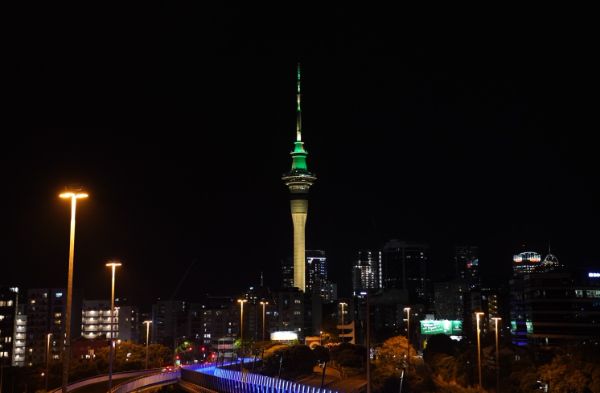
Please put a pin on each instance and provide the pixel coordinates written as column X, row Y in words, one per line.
column 451, row 328
column 284, row 336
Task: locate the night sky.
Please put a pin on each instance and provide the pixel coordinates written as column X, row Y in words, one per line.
column 181, row 134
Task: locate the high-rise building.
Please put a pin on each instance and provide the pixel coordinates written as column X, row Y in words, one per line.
column 526, row 262
column 96, row 320
column 287, row 273
column 466, row 260
column 316, row 271
column 215, row 318
column 12, row 328
column 366, row 272
column 405, row 266
column 550, row 263
column 170, row 322
column 45, row 309
column 550, row 308
column 289, row 310
column 449, row 299
column 299, row 180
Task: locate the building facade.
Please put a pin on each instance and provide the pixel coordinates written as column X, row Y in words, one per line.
column 46, row 310
column 366, row 272
column 96, row 321
column 405, row 266
column 12, row 328
column 169, row 322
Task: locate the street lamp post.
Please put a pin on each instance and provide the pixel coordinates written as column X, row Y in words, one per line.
column 407, row 310
column 74, row 196
column 147, row 323
column 113, row 266
column 49, row 335
column 342, row 304
column 368, row 344
column 241, row 302
column 496, row 319
column 264, row 304
column 477, row 314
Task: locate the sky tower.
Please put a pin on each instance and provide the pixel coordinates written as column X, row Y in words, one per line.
column 299, row 180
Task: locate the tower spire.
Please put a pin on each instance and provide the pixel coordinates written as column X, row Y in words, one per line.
column 298, row 107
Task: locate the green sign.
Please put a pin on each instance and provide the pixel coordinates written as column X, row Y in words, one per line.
column 451, row 328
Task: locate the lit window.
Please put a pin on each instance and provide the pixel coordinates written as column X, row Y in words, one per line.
column 592, row 293
column 58, row 294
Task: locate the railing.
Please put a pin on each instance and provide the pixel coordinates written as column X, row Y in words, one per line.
column 104, row 378
column 146, row 381
column 230, row 381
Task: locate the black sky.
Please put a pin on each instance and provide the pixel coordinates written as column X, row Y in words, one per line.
column 179, row 122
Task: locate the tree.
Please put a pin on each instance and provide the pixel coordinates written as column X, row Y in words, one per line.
column 295, row 360
column 439, row 343
column 348, row 355
column 321, row 353
column 393, row 351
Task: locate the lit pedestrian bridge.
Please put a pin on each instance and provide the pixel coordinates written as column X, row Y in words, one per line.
column 224, row 380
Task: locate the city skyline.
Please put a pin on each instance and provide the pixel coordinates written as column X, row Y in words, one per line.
column 443, row 153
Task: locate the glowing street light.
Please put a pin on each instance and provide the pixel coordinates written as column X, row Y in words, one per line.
column 147, row 323
column 477, row 314
column 241, row 302
column 74, row 196
column 264, row 304
column 113, row 266
column 342, row 304
column 496, row 319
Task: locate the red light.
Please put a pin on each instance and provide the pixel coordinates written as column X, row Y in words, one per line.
column 202, row 349
column 177, row 357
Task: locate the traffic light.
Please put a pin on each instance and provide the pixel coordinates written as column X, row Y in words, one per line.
column 203, row 348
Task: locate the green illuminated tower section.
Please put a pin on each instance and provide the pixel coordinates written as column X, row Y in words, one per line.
column 299, row 180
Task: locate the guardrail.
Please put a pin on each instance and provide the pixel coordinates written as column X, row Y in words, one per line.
column 104, row 378
column 163, row 378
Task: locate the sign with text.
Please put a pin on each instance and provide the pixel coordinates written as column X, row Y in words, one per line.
column 451, row 328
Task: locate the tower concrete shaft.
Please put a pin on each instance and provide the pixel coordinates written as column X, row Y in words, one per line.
column 299, row 209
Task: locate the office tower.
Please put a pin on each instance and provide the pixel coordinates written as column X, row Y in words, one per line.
column 555, row 308
column 449, row 299
column 466, row 260
column 170, row 322
column 45, row 309
column 405, row 266
column 299, row 180
column 316, row 271
column 550, row 263
column 215, row 318
column 526, row 262
column 289, row 309
column 366, row 272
